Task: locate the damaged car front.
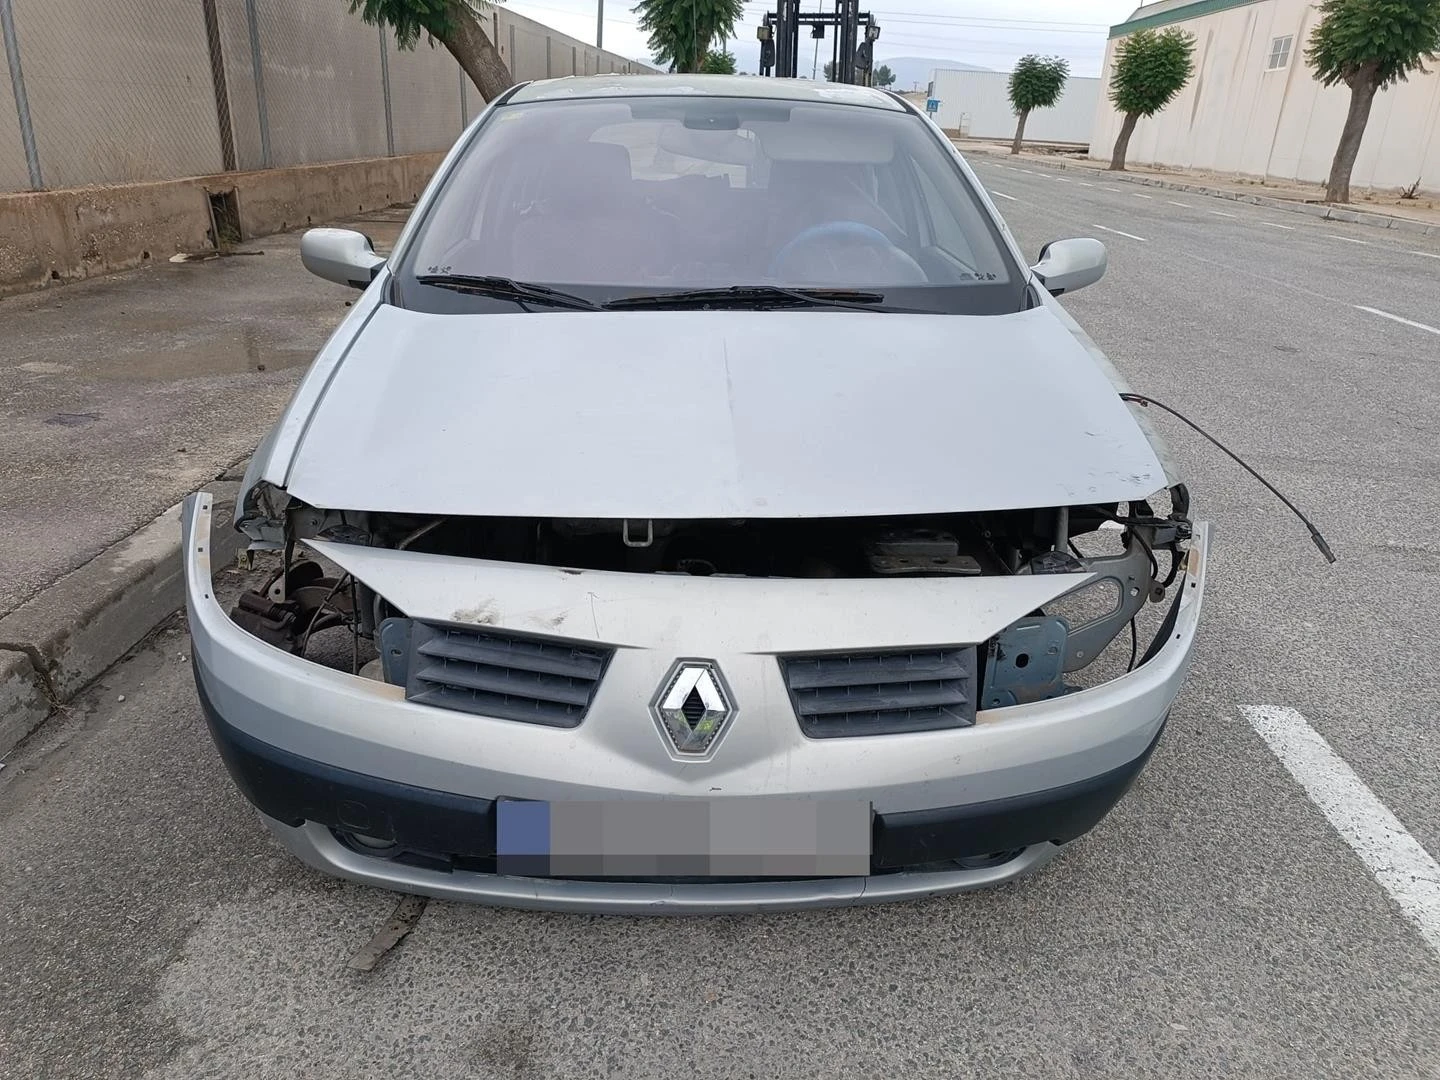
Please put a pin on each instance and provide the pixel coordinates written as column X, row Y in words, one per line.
column 811, row 560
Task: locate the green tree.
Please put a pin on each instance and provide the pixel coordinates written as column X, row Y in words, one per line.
column 882, row 76
column 681, row 30
column 1036, row 83
column 1150, row 69
column 1368, row 45
column 829, row 70
column 718, row 63
column 456, row 24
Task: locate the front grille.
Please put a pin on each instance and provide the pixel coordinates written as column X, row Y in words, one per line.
column 497, row 673
column 882, row 693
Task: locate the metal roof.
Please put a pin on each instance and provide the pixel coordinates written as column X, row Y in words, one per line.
column 1166, row 12
column 747, row 86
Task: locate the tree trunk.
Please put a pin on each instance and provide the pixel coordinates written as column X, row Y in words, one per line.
column 1122, row 144
column 1019, row 132
column 1362, row 96
column 471, row 46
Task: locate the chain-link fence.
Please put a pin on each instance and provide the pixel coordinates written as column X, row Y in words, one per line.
column 121, row 91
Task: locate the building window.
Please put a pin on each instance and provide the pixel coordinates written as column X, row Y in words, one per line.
column 1280, row 52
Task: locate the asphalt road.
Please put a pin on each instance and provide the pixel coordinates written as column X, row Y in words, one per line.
column 1215, row 925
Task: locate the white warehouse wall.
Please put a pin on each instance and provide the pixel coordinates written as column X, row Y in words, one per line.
column 1235, row 116
column 978, row 102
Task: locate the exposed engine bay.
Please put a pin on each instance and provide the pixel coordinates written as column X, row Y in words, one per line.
column 1134, row 554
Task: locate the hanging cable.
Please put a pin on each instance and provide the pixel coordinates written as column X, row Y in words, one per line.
column 1141, row 399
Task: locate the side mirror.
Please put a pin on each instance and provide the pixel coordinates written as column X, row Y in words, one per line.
column 1067, row 265
column 343, row 256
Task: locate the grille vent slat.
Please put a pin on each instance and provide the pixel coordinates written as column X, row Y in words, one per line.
column 505, row 675
column 882, row 693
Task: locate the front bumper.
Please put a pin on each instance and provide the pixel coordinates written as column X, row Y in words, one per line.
column 323, row 754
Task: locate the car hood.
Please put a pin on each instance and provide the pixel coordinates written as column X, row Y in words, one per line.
column 717, row 414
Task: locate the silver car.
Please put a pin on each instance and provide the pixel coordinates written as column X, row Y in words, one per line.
column 703, row 508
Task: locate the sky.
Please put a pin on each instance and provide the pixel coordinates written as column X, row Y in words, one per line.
column 987, row 33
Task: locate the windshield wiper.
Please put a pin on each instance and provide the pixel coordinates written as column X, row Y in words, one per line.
column 503, row 288
column 757, row 297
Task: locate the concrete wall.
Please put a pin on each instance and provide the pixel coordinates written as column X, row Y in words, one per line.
column 48, row 236
column 978, row 103
column 1235, row 116
column 122, row 91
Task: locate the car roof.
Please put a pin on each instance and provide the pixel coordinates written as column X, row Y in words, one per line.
column 747, row 86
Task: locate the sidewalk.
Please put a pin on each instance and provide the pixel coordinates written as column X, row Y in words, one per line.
column 118, row 397
column 1381, row 209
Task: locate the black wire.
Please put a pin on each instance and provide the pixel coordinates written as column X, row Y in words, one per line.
column 305, row 641
column 1150, row 554
column 1174, row 569
column 1141, row 399
column 1134, row 646
column 354, row 631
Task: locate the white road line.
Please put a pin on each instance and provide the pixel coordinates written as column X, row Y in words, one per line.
column 1027, row 172
column 1082, row 183
column 1222, row 213
column 1138, row 195
column 1273, row 225
column 1347, row 239
column 1172, row 202
column 1002, row 195
column 1397, row 318
column 1111, row 187
column 1424, row 254
column 1061, row 180
column 1117, row 232
column 1403, row 868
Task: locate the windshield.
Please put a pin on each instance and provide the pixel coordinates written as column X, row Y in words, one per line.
column 614, row 199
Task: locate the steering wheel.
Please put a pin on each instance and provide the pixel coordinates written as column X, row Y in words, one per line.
column 828, row 235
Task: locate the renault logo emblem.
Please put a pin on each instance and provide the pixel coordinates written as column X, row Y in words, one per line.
column 693, row 708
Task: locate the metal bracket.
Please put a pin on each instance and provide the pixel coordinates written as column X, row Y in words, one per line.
column 649, row 534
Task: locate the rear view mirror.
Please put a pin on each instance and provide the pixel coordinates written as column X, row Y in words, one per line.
column 343, row 256
column 720, row 146
column 1067, row 265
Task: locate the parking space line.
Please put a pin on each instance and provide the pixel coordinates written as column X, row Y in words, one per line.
column 1347, row 239
column 1002, row 195
column 1082, row 183
column 1140, row 195
column 1172, row 202
column 1061, row 180
column 1397, row 318
column 1424, row 254
column 1221, row 213
column 1275, row 225
column 1117, row 232
column 1403, row 868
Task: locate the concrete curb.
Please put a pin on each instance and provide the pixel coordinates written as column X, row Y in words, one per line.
column 1324, row 211
column 56, row 643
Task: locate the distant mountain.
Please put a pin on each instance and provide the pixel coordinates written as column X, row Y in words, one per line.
column 910, row 70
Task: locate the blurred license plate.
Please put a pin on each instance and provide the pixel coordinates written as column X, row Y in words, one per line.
column 683, row 838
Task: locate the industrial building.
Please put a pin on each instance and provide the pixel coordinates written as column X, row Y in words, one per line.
column 977, row 104
column 1255, row 108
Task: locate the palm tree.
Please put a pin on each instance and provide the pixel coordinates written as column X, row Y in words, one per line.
column 681, row 30
column 456, row 24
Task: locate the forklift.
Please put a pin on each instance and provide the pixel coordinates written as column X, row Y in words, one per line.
column 779, row 38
